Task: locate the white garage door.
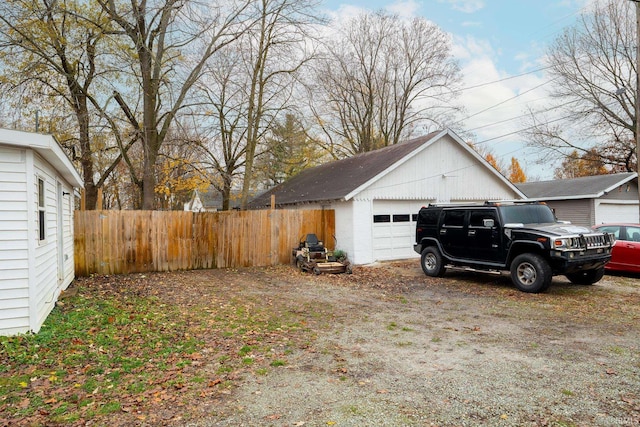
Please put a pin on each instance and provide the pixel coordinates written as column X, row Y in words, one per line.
column 617, row 212
column 394, row 229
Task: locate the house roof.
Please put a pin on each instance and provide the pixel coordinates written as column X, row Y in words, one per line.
column 48, row 147
column 588, row 187
column 343, row 179
column 212, row 198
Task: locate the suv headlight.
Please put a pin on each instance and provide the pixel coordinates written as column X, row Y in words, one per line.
column 567, row 243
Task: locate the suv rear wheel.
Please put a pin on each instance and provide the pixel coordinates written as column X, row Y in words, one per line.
column 431, row 262
column 531, row 273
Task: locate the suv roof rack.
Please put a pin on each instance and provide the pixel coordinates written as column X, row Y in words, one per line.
column 515, row 201
column 485, row 203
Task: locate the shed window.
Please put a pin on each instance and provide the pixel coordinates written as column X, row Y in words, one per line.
column 42, row 234
column 401, row 218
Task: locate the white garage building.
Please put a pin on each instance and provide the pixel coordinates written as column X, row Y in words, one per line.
column 589, row 200
column 376, row 195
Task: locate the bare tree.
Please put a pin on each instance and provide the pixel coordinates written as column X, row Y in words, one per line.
column 51, row 52
column 251, row 85
column 223, row 129
column 170, row 42
column 275, row 52
column 592, row 66
column 380, row 79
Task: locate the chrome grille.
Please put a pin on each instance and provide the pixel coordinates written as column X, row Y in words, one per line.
column 595, row 241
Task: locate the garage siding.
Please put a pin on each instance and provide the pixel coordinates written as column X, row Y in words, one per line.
column 579, row 212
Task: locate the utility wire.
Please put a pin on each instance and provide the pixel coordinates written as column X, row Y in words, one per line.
column 521, row 116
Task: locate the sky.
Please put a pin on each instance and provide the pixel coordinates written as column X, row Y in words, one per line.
column 500, row 47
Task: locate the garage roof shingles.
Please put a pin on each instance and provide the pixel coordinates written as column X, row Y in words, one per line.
column 335, row 180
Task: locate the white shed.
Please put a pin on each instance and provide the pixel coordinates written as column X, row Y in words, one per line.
column 376, row 195
column 37, row 183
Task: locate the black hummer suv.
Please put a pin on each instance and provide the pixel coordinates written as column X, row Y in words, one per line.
column 523, row 238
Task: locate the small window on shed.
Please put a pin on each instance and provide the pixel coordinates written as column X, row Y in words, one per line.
column 42, row 234
column 401, row 218
column 381, row 218
column 414, row 217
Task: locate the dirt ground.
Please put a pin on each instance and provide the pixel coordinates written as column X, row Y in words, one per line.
column 392, row 347
column 387, row 346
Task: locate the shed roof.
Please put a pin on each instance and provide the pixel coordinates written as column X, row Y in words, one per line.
column 48, row 147
column 588, row 187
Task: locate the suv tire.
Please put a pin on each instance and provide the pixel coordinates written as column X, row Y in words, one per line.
column 588, row 277
column 431, row 262
column 531, row 273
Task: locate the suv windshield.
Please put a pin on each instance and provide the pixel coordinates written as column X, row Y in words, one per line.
column 527, row 214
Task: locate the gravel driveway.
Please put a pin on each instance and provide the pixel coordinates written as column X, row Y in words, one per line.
column 395, row 348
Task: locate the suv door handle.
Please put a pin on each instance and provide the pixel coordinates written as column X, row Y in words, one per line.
column 443, row 231
column 471, row 233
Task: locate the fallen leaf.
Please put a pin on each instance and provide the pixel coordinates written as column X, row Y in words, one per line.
column 214, row 382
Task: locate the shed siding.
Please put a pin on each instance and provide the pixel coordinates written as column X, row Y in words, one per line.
column 45, row 283
column 443, row 172
column 14, row 254
column 627, row 191
column 67, row 231
column 579, row 212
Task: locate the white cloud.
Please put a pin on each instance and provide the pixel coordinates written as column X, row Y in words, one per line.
column 404, row 9
column 493, row 101
column 465, row 6
column 345, row 13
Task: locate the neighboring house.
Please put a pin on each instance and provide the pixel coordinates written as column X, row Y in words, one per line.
column 210, row 201
column 376, row 195
column 37, row 183
column 589, row 200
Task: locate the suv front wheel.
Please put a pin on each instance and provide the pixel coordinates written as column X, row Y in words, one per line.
column 531, row 273
column 431, row 262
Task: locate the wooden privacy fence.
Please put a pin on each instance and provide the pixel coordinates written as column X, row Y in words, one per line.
column 114, row 242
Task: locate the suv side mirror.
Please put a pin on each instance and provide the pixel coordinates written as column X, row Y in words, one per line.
column 488, row 222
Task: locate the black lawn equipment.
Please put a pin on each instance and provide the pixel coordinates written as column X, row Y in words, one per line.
column 311, row 255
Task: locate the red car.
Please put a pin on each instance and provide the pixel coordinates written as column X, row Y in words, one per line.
column 625, row 255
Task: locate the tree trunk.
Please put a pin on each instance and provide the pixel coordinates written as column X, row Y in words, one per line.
column 86, row 155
